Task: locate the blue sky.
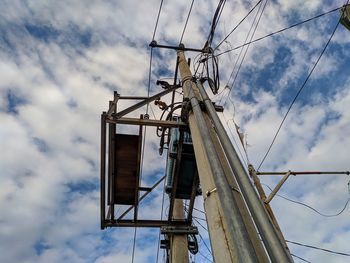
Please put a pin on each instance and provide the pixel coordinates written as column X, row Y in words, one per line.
column 60, row 62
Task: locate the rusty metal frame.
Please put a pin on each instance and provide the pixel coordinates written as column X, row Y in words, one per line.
column 142, row 197
column 142, row 103
column 146, row 223
column 109, row 121
column 146, row 122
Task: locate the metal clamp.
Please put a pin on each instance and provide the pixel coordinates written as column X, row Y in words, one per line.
column 179, row 230
column 209, row 192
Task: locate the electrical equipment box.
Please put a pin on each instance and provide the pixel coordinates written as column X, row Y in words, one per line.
column 187, row 170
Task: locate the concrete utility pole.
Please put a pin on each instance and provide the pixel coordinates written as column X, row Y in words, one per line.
column 231, row 229
column 178, row 242
column 226, row 186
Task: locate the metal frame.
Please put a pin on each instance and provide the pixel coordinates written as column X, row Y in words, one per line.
column 109, row 121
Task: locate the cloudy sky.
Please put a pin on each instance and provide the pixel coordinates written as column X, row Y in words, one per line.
column 60, row 62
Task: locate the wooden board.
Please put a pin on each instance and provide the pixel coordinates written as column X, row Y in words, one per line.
column 126, row 168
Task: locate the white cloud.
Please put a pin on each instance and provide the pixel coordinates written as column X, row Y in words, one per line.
column 58, row 76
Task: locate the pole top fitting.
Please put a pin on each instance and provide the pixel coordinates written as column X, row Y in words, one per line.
column 153, row 43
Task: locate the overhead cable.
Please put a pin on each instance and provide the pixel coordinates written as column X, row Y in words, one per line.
column 134, row 246
column 239, row 23
column 319, row 248
column 188, row 16
column 298, row 93
column 155, row 27
column 246, row 50
column 215, row 22
column 298, row 257
column 310, row 207
column 279, row 31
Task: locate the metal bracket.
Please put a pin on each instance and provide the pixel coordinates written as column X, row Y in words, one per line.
column 278, row 186
column 179, row 230
column 209, row 192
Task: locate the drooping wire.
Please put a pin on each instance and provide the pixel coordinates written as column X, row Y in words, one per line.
column 319, row 248
column 280, row 31
column 298, row 93
column 188, row 16
column 298, row 257
column 239, row 23
column 310, row 207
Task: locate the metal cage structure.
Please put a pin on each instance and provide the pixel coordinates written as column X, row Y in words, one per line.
column 120, row 168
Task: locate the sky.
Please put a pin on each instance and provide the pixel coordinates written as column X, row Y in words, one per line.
column 60, row 62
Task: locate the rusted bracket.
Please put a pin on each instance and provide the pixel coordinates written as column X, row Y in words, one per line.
column 146, row 101
column 278, row 187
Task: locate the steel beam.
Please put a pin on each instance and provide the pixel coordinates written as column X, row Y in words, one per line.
column 278, row 187
column 103, row 170
column 146, row 101
column 142, row 197
column 146, row 223
column 145, row 122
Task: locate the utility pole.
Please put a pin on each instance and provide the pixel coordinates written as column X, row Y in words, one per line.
column 178, row 242
column 226, row 186
column 233, row 237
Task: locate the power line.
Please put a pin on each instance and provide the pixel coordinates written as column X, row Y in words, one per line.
column 188, row 16
column 298, row 93
column 298, row 257
column 236, row 62
column 319, row 248
column 205, row 244
column 204, row 256
column 199, row 223
column 134, row 245
column 280, row 31
column 310, row 207
column 215, row 21
column 155, row 27
column 246, row 50
column 239, row 23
